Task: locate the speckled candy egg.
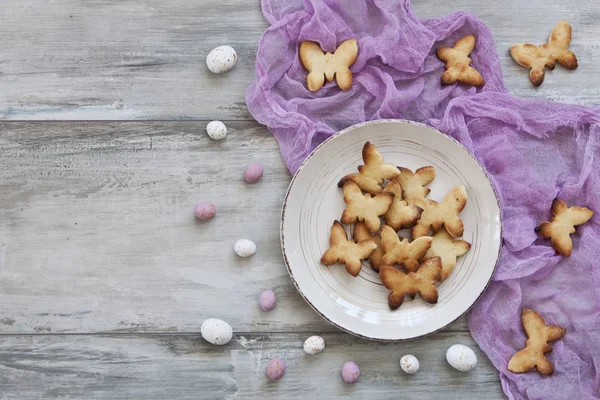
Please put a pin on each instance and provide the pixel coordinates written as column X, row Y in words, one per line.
column 267, row 300
column 216, row 331
column 350, row 372
column 221, row 59
column 244, row 248
column 275, row 369
column 204, row 211
column 409, row 364
column 461, row 357
column 253, row 172
column 216, row 130
column 314, row 345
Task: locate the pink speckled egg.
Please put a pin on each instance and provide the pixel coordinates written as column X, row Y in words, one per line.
column 350, row 372
column 276, row 369
column 267, row 300
column 253, row 173
column 205, row 211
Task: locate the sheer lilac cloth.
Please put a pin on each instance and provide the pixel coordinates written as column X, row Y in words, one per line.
column 533, row 150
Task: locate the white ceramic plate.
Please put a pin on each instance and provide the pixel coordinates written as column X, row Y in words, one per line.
column 313, row 201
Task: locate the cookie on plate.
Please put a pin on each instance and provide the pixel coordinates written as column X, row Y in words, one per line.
column 400, row 215
column 373, row 173
column 346, row 251
column 361, row 233
column 445, row 214
column 402, row 252
column 421, row 281
column 364, row 207
column 413, row 183
column 448, row 249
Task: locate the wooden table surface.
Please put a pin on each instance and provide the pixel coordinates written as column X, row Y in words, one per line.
column 105, row 275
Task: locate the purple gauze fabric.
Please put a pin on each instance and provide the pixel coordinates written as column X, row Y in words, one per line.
column 533, row 151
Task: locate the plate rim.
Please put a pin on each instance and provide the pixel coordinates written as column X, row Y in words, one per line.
column 344, row 131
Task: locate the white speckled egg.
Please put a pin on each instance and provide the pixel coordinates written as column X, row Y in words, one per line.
column 461, row 357
column 409, row 364
column 244, row 248
column 216, row 130
column 314, row 345
column 216, row 331
column 221, row 59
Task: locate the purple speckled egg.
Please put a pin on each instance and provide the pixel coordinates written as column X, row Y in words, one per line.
column 350, row 372
column 276, row 369
column 253, row 172
column 205, row 211
column 267, row 300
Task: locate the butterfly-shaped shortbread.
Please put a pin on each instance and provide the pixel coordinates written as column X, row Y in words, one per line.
column 361, row 233
column 457, row 63
column 400, row 215
column 413, row 183
column 364, row 207
column 346, row 251
column 422, row 281
column 562, row 224
column 540, row 57
column 373, row 173
column 435, row 215
column 538, row 336
column 402, row 252
column 448, row 249
column 321, row 66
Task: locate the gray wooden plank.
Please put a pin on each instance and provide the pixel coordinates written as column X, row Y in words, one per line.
column 97, row 231
column 127, row 59
column 114, row 59
column 186, row 367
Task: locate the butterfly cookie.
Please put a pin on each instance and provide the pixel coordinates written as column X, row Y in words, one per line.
column 346, row 251
column 435, row 215
column 538, row 336
column 361, row 233
column 422, row 281
column 364, row 207
column 562, row 224
column 458, row 63
column 321, row 66
column 545, row 56
column 400, row 215
column 413, row 184
column 448, row 249
column 373, row 173
column 402, row 252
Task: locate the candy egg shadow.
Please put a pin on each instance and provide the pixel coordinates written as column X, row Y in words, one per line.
column 199, row 222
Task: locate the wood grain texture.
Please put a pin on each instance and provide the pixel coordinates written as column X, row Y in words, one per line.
column 129, row 59
column 97, row 232
column 185, row 367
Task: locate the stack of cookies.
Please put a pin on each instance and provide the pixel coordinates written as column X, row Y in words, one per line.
column 382, row 199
